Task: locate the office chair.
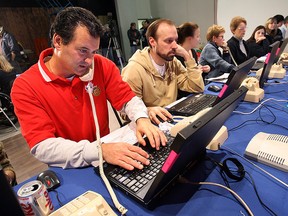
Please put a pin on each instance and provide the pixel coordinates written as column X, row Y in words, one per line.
column 6, row 107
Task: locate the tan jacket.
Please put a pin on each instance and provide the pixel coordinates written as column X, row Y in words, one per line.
column 155, row 90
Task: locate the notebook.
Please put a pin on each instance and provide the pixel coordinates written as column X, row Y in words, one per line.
column 188, row 147
column 195, row 103
column 270, row 59
column 260, row 64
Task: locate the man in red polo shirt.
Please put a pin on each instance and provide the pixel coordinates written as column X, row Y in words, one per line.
column 54, row 109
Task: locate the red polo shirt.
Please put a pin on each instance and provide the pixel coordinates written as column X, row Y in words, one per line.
column 50, row 106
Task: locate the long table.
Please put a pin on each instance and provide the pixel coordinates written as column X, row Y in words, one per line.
column 189, row 199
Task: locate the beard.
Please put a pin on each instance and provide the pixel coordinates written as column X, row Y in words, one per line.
column 166, row 57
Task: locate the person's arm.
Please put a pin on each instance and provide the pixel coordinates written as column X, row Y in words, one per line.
column 7, row 167
column 137, row 112
column 212, row 56
column 13, row 45
column 189, row 78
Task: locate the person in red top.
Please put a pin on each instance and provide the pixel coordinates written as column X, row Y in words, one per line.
column 54, row 108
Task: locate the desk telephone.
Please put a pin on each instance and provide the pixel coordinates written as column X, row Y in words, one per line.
column 218, row 139
column 88, row 204
column 186, row 121
column 270, row 149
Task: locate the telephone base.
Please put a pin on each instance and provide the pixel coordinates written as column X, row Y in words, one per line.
column 218, row 139
column 277, row 71
column 255, row 95
column 88, row 204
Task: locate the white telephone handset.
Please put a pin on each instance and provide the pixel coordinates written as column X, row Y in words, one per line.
column 270, row 149
column 186, row 121
column 88, row 76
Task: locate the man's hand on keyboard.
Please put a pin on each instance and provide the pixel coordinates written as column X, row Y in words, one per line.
column 155, row 136
column 158, row 114
column 125, row 155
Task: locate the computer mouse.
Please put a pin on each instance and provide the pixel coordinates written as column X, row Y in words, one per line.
column 214, row 88
column 49, row 179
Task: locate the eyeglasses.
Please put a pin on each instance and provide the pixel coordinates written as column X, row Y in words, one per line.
column 221, row 36
column 242, row 28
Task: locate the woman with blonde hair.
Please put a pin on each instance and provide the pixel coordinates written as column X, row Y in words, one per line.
column 7, row 75
column 272, row 32
column 215, row 52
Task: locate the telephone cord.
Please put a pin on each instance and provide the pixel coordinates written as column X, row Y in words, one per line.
column 121, row 208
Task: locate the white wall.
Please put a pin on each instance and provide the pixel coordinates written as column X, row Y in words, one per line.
column 130, row 11
column 256, row 12
column 200, row 12
column 203, row 12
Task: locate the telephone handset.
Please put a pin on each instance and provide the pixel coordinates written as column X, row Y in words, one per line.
column 186, row 121
column 270, row 149
column 88, row 76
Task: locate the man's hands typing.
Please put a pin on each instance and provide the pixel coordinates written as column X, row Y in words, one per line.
column 125, row 155
column 131, row 156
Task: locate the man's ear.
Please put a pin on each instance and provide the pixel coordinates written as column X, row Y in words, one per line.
column 57, row 41
column 152, row 41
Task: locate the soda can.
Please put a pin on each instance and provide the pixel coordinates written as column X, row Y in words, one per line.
column 34, row 199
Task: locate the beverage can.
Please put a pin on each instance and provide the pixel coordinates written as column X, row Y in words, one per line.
column 34, row 199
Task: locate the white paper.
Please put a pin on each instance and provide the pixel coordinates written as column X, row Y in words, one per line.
column 223, row 78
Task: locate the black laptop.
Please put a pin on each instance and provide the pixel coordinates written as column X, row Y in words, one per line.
column 270, row 59
column 189, row 146
column 197, row 102
column 258, row 65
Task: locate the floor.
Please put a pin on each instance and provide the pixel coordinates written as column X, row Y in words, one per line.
column 25, row 165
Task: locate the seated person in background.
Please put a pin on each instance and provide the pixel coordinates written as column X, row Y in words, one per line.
column 7, row 75
column 218, row 60
column 280, row 24
column 237, row 45
column 189, row 39
column 10, row 49
column 54, row 108
column 257, row 44
column 273, row 34
column 155, row 75
column 7, row 167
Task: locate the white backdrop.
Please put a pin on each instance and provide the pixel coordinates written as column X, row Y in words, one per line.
column 256, row 12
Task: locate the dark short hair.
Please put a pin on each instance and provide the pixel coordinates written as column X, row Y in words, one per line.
column 279, row 18
column 153, row 27
column 70, row 18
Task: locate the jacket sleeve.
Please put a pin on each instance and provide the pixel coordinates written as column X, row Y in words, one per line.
column 189, row 78
column 216, row 61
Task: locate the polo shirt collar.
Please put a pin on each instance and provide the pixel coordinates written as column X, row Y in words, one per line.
column 46, row 74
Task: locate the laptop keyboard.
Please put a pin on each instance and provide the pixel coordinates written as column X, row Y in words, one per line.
column 137, row 179
column 192, row 105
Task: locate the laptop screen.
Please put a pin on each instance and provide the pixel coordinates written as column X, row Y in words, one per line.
column 280, row 49
column 268, row 63
column 190, row 142
column 235, row 79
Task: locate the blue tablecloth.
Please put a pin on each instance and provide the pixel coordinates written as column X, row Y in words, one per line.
column 187, row 199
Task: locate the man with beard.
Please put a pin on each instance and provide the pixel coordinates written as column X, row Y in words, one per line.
column 155, row 75
column 55, row 111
